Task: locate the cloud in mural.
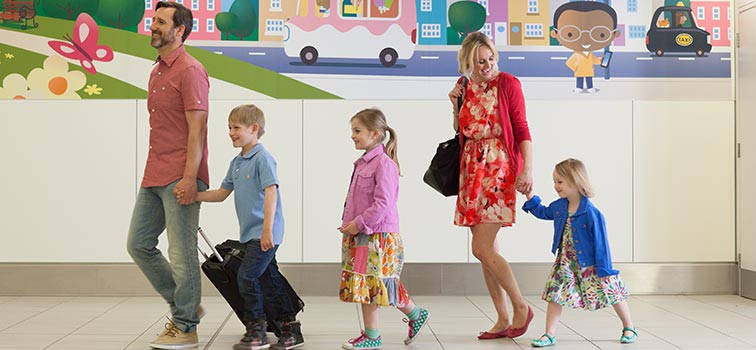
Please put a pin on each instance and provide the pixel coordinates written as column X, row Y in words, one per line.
column 83, row 46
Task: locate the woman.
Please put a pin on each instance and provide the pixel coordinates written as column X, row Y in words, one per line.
column 496, row 161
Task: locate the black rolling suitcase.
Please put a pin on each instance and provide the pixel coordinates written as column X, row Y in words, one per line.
column 222, row 267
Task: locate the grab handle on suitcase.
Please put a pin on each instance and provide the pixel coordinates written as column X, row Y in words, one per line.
column 212, row 247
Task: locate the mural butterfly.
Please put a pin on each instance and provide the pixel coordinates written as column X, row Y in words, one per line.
column 83, row 46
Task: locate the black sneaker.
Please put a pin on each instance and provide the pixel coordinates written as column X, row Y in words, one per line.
column 255, row 338
column 291, row 338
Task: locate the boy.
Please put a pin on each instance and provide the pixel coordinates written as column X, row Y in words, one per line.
column 258, row 207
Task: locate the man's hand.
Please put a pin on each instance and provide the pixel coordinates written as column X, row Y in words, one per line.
column 185, row 191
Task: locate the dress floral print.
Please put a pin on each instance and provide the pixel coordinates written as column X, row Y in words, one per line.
column 571, row 286
column 486, row 193
column 371, row 267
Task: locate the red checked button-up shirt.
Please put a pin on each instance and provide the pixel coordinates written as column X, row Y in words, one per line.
column 178, row 83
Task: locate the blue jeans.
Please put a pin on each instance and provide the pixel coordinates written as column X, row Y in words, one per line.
column 588, row 80
column 258, row 264
column 177, row 281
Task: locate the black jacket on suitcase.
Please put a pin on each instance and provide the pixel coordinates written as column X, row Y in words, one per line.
column 224, row 276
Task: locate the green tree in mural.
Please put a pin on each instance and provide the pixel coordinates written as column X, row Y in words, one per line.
column 120, row 13
column 67, row 9
column 225, row 21
column 685, row 3
column 246, row 19
column 464, row 17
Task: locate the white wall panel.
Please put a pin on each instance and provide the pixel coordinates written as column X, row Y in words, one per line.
column 599, row 134
column 68, row 171
column 684, row 179
column 746, row 79
column 426, row 217
column 282, row 138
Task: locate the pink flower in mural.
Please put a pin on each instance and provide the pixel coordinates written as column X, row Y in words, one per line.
column 83, row 46
column 14, row 88
column 55, row 81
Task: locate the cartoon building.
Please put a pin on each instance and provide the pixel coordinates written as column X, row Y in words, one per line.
column 204, row 12
column 497, row 12
column 273, row 16
column 529, row 22
column 431, row 22
column 714, row 16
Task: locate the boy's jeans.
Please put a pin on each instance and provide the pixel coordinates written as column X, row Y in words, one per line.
column 177, row 281
column 257, row 263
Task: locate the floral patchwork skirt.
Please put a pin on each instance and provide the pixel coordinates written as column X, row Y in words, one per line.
column 371, row 265
column 580, row 288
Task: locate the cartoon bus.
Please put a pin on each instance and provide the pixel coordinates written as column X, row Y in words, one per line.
column 383, row 29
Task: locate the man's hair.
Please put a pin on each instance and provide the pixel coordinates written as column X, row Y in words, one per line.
column 182, row 15
column 585, row 6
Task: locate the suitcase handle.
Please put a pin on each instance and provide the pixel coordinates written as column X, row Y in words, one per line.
column 212, row 247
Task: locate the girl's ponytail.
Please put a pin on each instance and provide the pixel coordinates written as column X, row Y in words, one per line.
column 391, row 147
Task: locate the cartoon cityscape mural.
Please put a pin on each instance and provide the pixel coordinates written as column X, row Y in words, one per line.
column 280, row 44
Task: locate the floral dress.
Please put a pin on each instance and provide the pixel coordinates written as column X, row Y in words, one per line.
column 580, row 288
column 486, row 182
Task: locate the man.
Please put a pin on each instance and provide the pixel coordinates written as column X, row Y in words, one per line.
column 177, row 163
column 584, row 27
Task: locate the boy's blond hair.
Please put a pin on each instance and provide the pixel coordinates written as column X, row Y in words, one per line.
column 248, row 115
column 573, row 171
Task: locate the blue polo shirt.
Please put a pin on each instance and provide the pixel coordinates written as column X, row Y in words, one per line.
column 248, row 176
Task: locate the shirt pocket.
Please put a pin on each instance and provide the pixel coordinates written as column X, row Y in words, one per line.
column 365, row 182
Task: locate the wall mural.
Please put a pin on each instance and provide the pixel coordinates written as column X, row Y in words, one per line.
column 358, row 49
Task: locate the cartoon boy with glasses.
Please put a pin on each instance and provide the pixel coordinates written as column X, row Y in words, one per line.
column 584, row 27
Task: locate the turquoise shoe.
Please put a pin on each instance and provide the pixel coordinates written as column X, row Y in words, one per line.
column 627, row 339
column 540, row 343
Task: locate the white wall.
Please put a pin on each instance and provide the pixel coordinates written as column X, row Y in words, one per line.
column 746, row 80
column 72, row 169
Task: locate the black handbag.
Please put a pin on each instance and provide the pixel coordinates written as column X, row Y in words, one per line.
column 443, row 173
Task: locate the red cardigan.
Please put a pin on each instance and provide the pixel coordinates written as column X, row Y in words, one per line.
column 514, row 123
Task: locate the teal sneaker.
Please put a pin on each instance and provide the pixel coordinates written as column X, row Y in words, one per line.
column 627, row 339
column 363, row 342
column 415, row 326
column 542, row 343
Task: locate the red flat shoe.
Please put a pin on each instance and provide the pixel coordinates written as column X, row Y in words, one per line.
column 496, row 335
column 516, row 332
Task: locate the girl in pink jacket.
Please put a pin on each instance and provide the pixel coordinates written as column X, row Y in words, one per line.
column 372, row 252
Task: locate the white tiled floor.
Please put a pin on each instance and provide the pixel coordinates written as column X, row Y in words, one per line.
column 663, row 322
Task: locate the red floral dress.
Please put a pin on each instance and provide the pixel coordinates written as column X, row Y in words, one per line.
column 486, row 190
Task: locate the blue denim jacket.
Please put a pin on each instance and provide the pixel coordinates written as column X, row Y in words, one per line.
column 588, row 231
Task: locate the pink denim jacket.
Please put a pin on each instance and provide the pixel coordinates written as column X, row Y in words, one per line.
column 373, row 193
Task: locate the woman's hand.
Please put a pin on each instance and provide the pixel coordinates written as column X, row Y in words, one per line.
column 524, row 181
column 454, row 94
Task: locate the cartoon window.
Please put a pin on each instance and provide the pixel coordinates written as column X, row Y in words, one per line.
column 148, row 4
column 632, row 6
column 701, row 12
column 532, row 6
column 274, row 27
column 484, row 3
column 322, row 8
column 716, row 33
column 210, row 25
column 178, row 1
column 637, row 32
column 370, row 8
column 275, row 5
column 195, row 4
column 729, row 13
column 211, row 5
column 487, row 30
column 729, row 33
column 715, row 12
column 430, row 31
column 147, row 24
column 426, row 5
column 663, row 20
column 533, row 30
column 195, row 25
